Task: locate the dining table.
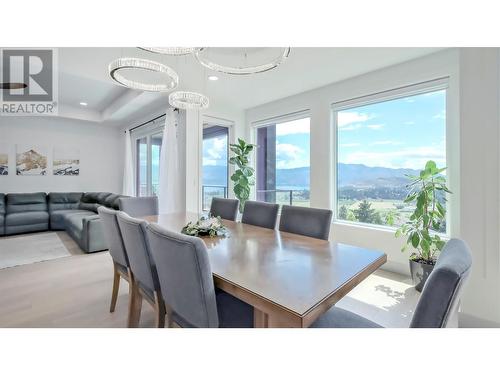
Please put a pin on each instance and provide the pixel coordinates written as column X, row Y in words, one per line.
column 288, row 279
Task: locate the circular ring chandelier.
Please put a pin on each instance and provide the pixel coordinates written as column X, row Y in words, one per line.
column 130, row 63
column 188, row 100
column 235, row 70
column 174, row 51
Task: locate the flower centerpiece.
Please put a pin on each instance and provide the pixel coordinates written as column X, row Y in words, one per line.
column 206, row 226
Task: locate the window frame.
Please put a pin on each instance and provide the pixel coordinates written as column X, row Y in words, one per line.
column 275, row 120
column 380, row 97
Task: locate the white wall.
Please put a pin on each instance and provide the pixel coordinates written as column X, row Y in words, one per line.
column 473, row 160
column 101, row 154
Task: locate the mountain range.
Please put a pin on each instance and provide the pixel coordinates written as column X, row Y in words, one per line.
column 358, row 175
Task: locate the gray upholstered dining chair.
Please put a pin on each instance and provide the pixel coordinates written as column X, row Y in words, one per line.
column 225, row 208
column 143, row 278
column 311, row 222
column 113, row 238
column 187, row 284
column 139, row 206
column 439, row 299
column 261, row 214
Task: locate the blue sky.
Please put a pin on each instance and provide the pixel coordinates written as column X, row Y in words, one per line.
column 293, row 144
column 401, row 133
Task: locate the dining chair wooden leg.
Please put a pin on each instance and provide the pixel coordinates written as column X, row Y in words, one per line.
column 116, row 287
column 169, row 319
column 159, row 311
column 135, row 303
column 260, row 319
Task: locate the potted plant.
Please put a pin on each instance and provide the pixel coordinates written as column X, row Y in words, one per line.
column 428, row 191
column 243, row 177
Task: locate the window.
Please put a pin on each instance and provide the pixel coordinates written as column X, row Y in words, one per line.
column 215, row 163
column 379, row 143
column 148, row 163
column 283, row 161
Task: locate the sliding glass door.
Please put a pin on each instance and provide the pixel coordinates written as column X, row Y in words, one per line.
column 215, row 164
column 148, row 164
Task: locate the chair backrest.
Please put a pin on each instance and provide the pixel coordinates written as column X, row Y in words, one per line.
column 261, row 214
column 140, row 206
column 225, row 208
column 185, row 276
column 113, row 235
column 311, row 222
column 137, row 248
column 441, row 293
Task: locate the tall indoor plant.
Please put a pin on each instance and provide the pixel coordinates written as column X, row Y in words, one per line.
column 243, row 176
column 428, row 191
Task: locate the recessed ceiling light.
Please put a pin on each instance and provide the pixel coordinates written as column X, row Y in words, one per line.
column 213, row 78
column 84, row 104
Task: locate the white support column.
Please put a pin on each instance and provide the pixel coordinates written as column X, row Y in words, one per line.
column 193, row 160
column 480, row 178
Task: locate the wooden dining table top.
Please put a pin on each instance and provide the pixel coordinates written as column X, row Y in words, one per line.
column 293, row 273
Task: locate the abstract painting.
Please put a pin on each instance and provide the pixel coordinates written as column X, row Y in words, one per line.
column 31, row 160
column 4, row 159
column 66, row 162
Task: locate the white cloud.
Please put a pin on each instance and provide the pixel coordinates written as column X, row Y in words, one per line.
column 290, row 156
column 217, row 149
column 207, row 161
column 412, row 157
column 375, row 126
column 293, row 127
column 380, row 143
column 350, row 144
column 409, row 123
column 345, row 118
column 351, row 127
column 214, row 151
column 441, row 115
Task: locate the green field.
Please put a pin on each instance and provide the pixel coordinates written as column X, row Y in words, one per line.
column 400, row 211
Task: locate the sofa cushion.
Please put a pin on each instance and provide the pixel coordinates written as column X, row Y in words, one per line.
column 111, row 200
column 2, row 204
column 24, row 202
column 26, row 218
column 64, row 201
column 2, row 214
column 75, row 220
column 91, row 201
column 58, row 218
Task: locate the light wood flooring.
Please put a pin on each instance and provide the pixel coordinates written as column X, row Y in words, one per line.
column 76, row 291
column 68, row 292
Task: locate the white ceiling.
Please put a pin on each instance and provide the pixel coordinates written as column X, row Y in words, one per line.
column 83, row 77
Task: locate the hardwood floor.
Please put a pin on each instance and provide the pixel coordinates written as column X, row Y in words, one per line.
column 67, row 292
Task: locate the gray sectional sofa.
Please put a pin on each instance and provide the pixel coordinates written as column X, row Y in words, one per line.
column 76, row 213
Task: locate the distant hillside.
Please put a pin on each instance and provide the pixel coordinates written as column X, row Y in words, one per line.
column 358, row 175
column 363, row 176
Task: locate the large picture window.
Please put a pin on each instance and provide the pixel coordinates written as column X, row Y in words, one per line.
column 378, row 145
column 283, row 161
